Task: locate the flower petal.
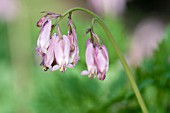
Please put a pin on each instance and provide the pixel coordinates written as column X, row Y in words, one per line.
column 44, row 37
column 50, row 52
column 106, row 55
column 85, row 72
column 101, row 59
column 55, row 67
column 66, row 48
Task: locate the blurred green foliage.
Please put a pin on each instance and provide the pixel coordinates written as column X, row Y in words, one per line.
column 26, row 88
column 154, row 77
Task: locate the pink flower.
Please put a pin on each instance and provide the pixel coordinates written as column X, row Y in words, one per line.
column 74, row 50
column 102, row 61
column 44, row 38
column 57, row 54
column 49, row 59
column 97, row 60
column 62, row 52
column 90, row 60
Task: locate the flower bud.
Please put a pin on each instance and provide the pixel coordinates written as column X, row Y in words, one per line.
column 62, row 52
column 74, row 50
column 49, row 60
column 44, row 38
column 42, row 21
column 102, row 61
column 90, row 60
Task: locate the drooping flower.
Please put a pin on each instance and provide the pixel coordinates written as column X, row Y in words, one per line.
column 74, row 50
column 102, row 61
column 49, row 60
column 97, row 59
column 44, row 38
column 62, row 51
column 57, row 55
column 90, row 60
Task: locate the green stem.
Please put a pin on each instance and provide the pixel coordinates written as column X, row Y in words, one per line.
column 122, row 59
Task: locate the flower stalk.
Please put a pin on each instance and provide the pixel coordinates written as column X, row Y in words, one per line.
column 115, row 46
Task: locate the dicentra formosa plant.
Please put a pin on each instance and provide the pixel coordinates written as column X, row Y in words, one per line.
column 61, row 51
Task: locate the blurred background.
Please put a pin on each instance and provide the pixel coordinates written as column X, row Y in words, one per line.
column 141, row 29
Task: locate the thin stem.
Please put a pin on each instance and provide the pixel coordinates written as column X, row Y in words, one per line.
column 122, row 59
column 93, row 22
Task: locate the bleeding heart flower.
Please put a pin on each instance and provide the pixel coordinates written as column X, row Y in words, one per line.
column 74, row 50
column 44, row 38
column 49, row 58
column 97, row 59
column 90, row 60
column 57, row 54
column 102, row 61
column 62, row 50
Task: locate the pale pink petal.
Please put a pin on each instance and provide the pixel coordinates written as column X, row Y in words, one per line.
column 50, row 52
column 88, row 42
column 55, row 67
column 107, row 56
column 90, row 55
column 59, row 53
column 74, row 50
column 100, row 59
column 85, row 72
column 44, row 37
column 66, row 48
column 70, row 66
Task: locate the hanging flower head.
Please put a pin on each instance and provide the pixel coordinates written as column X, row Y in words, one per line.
column 62, row 51
column 44, row 38
column 74, row 49
column 97, row 59
column 59, row 51
column 90, row 60
column 102, row 61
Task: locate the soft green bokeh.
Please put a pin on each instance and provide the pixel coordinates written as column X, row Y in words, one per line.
column 26, row 88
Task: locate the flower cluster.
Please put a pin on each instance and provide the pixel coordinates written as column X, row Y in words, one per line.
column 57, row 51
column 97, row 59
column 61, row 51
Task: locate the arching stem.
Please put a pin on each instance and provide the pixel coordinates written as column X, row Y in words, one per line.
column 115, row 46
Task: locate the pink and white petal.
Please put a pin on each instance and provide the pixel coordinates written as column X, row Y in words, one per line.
column 44, row 37
column 59, row 53
column 49, row 57
column 70, row 66
column 85, row 72
column 99, row 76
column 50, row 53
column 71, row 38
column 100, row 60
column 55, row 67
column 90, row 55
column 107, row 55
column 88, row 42
column 66, row 48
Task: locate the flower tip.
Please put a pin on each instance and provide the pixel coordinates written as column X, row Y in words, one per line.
column 41, row 21
column 101, row 76
column 85, row 72
column 39, row 24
